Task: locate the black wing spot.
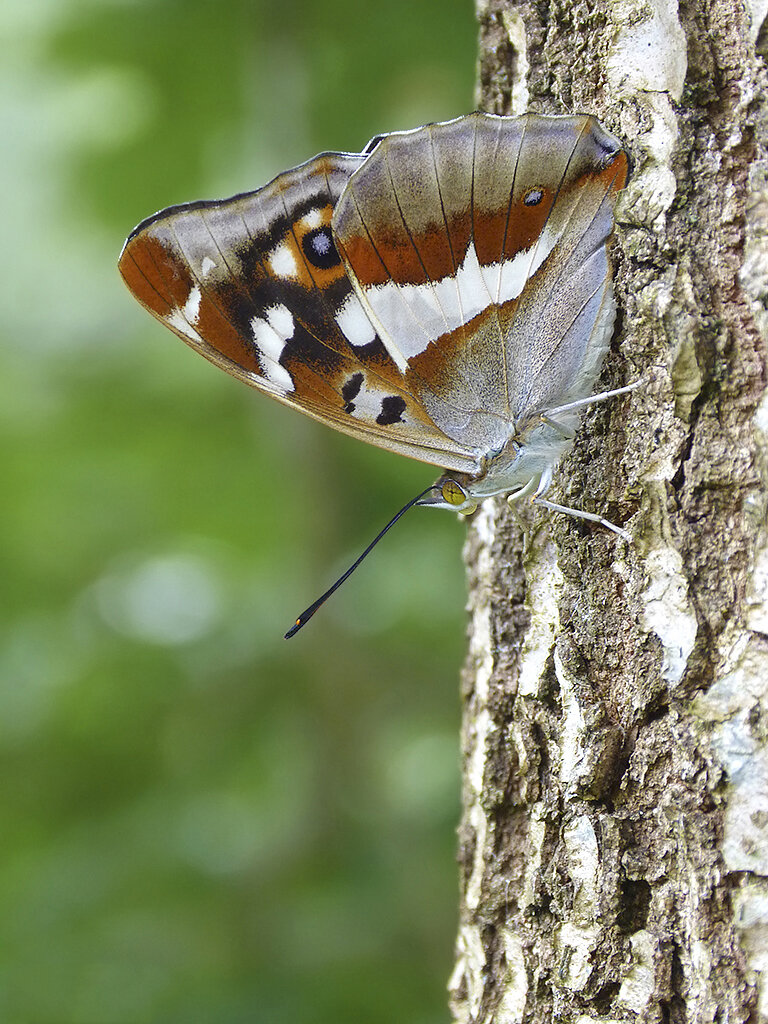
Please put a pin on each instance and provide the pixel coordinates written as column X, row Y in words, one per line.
column 351, row 390
column 371, row 350
column 533, row 197
column 320, row 249
column 392, row 409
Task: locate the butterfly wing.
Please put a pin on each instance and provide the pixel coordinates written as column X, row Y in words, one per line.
column 559, row 326
column 478, row 249
column 256, row 285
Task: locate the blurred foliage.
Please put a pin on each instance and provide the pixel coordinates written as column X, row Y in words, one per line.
column 202, row 822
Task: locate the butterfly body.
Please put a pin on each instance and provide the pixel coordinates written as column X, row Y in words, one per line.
column 437, row 295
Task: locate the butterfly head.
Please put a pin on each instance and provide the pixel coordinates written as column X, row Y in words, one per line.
column 524, row 466
column 451, row 492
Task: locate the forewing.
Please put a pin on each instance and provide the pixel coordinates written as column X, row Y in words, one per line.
column 256, row 285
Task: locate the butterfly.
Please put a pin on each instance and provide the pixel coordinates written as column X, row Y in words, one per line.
column 446, row 294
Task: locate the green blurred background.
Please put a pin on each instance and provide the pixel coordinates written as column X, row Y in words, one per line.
column 202, row 822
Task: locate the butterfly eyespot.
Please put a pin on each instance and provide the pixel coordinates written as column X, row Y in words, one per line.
column 320, row 249
column 608, row 159
column 533, row 197
column 453, row 493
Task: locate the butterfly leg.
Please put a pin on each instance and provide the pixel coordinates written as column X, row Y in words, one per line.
column 533, row 486
column 563, row 431
column 579, row 514
column 592, row 398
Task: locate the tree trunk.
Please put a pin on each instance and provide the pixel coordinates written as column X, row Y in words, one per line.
column 614, row 840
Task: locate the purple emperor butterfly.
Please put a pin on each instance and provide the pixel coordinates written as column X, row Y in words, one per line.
column 446, row 294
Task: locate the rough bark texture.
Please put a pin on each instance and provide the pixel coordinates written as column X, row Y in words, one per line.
column 614, row 842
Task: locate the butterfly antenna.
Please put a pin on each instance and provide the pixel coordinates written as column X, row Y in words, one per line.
column 307, row 614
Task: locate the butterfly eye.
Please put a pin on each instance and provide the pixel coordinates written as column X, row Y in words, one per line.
column 533, row 197
column 453, row 493
column 319, row 248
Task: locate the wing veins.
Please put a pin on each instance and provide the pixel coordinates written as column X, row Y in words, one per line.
column 416, row 250
column 491, row 304
column 553, row 353
column 366, row 304
column 448, row 237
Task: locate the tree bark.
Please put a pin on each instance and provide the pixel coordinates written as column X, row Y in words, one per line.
column 614, row 838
